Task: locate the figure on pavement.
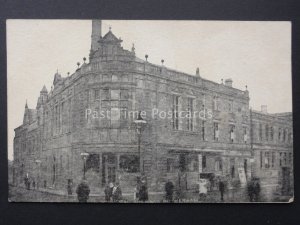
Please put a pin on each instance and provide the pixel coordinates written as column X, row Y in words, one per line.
column 83, row 191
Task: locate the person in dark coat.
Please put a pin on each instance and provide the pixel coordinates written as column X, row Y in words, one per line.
column 143, row 191
column 169, row 188
column 250, row 190
column 83, row 191
column 69, row 187
column 222, row 189
column 256, row 189
column 108, row 193
column 117, row 193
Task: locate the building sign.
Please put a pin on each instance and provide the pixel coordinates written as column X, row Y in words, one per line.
column 203, row 186
column 242, row 176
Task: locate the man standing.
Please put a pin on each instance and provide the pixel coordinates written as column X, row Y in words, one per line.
column 83, row 191
column 117, row 193
column 222, row 189
column 169, row 188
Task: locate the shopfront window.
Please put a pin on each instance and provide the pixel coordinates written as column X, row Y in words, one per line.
column 129, row 163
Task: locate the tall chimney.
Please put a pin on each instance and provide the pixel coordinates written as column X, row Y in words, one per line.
column 228, row 82
column 96, row 34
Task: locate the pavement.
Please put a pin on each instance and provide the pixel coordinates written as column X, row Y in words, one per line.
column 20, row 194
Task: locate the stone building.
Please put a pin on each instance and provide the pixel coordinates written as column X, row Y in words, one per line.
column 67, row 122
column 272, row 145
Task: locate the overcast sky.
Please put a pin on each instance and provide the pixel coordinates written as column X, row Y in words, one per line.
column 257, row 54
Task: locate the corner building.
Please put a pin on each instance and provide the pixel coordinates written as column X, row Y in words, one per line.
column 49, row 143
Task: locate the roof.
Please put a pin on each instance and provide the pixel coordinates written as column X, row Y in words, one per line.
column 44, row 90
column 110, row 37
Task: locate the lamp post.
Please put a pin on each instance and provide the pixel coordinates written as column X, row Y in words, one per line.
column 140, row 123
column 84, row 156
column 38, row 163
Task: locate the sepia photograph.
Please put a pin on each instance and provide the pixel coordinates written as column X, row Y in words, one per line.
column 149, row 111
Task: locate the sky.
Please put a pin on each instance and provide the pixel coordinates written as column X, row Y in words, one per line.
column 256, row 54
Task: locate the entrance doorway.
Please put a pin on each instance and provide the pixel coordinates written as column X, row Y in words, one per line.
column 109, row 168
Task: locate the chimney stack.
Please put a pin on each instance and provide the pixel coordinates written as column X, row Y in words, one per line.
column 96, row 34
column 264, row 109
column 228, row 82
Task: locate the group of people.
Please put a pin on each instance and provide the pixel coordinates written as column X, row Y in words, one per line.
column 28, row 182
column 113, row 192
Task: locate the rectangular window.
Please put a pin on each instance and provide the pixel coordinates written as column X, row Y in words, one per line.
column 273, row 160
column 279, row 134
column 175, row 108
column 170, row 165
column 261, row 159
column 260, row 132
column 290, row 159
column 203, row 130
column 216, row 103
column 285, row 158
column 203, row 161
column 105, row 94
column 267, row 159
column 96, row 94
column 124, row 94
column 216, row 131
column 284, row 135
column 115, row 94
column 280, row 159
column 271, row 133
column 190, row 114
column 231, row 132
column 245, row 135
column 267, row 132
column 129, row 163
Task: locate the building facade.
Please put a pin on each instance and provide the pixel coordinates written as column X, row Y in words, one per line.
column 192, row 127
column 272, row 145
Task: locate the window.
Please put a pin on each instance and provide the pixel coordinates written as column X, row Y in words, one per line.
column 267, row 159
column 129, row 163
column 216, row 103
column 170, row 165
column 203, row 161
column 124, row 94
column 105, row 94
column 273, row 160
column 96, row 94
column 279, row 134
column 203, row 130
column 260, row 132
column 261, row 159
column 271, row 133
column 290, row 159
column 190, row 114
column 267, row 132
column 175, row 107
column 232, row 134
column 230, row 106
column 115, row 94
column 284, row 135
column 245, row 135
column 290, row 137
column 280, row 159
column 218, row 165
column 216, row 131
